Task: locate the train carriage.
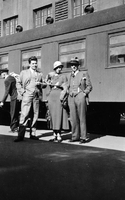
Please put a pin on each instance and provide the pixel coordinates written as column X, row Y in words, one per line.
column 97, row 39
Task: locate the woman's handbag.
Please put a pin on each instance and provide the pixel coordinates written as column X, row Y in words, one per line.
column 65, row 102
column 64, row 97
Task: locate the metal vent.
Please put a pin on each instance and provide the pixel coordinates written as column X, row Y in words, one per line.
column 61, row 10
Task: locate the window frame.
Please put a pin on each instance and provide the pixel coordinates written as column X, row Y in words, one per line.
column 71, row 52
column 120, row 44
column 82, row 6
column 41, row 18
column 26, row 59
column 4, row 62
column 10, row 29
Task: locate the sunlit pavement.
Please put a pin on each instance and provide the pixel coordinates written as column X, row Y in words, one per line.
column 100, row 141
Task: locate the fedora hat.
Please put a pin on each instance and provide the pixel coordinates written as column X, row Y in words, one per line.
column 4, row 70
column 57, row 64
column 74, row 61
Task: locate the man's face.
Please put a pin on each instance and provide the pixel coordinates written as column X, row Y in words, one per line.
column 74, row 68
column 33, row 64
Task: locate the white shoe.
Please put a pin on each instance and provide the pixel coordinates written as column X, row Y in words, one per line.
column 54, row 138
column 33, row 131
column 59, row 138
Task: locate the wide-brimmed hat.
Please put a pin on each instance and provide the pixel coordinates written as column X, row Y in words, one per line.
column 4, row 70
column 74, row 61
column 57, row 64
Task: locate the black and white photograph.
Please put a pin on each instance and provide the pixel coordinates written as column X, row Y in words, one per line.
column 62, row 99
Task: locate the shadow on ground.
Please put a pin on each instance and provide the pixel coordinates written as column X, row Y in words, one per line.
column 35, row 170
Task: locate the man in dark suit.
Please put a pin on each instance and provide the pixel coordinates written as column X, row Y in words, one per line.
column 79, row 87
column 10, row 89
column 30, row 81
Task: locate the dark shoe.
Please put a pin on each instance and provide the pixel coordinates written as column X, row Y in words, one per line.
column 10, row 131
column 53, row 140
column 18, row 140
column 13, row 130
column 21, row 131
column 33, row 137
column 71, row 140
column 83, row 141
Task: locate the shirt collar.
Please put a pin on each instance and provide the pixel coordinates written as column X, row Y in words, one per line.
column 32, row 70
column 76, row 72
column 6, row 77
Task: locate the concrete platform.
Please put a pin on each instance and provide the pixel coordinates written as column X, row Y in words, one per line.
column 99, row 141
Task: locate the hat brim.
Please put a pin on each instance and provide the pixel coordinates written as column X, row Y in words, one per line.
column 74, row 63
column 58, row 67
column 2, row 71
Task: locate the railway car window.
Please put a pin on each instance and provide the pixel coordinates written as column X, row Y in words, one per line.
column 79, row 6
column 41, row 14
column 27, row 54
column 70, row 50
column 10, row 25
column 3, row 61
column 117, row 50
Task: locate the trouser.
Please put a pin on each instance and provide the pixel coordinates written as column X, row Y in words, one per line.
column 78, row 107
column 27, row 102
column 14, row 114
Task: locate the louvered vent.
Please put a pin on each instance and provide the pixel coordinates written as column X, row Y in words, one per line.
column 61, row 10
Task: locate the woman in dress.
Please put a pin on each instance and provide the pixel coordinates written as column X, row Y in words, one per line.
column 58, row 115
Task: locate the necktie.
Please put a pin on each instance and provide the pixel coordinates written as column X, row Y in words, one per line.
column 73, row 75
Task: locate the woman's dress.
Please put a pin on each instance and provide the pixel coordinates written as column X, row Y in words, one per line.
column 58, row 115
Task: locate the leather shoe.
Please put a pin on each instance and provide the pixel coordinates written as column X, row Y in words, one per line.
column 71, row 140
column 33, row 137
column 83, row 141
column 18, row 140
column 13, row 130
column 53, row 140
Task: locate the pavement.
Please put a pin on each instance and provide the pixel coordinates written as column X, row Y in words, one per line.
column 96, row 140
column 43, row 170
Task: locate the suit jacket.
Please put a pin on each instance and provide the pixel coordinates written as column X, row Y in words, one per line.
column 83, row 82
column 10, row 88
column 24, row 81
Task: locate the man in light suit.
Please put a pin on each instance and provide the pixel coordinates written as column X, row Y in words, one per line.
column 31, row 91
column 79, row 87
